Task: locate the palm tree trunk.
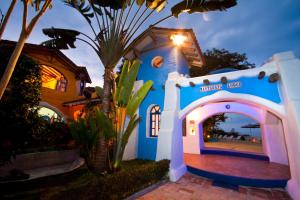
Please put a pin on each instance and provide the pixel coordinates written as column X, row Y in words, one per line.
column 12, row 63
column 101, row 149
column 6, row 18
column 99, row 161
column 107, row 86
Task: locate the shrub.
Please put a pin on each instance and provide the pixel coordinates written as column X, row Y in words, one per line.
column 17, row 107
column 134, row 177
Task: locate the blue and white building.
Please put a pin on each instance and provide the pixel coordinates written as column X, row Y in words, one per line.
column 269, row 94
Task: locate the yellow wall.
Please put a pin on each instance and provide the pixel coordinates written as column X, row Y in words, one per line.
column 53, row 97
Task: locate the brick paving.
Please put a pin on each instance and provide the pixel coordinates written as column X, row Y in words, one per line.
column 192, row 187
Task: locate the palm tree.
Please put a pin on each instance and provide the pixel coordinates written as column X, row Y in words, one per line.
column 114, row 24
column 25, row 32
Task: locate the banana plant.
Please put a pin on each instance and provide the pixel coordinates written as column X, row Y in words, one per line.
column 125, row 104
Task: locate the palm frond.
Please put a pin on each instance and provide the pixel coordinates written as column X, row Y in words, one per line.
column 62, row 38
column 194, row 6
column 84, row 10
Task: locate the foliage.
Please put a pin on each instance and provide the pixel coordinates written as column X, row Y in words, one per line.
column 192, row 6
column 219, row 59
column 125, row 104
column 26, row 29
column 86, row 132
column 135, row 176
column 18, row 114
column 114, row 24
column 211, row 124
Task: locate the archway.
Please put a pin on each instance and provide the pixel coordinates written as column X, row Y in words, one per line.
column 273, row 140
column 49, row 112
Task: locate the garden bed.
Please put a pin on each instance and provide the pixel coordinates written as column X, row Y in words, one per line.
column 133, row 177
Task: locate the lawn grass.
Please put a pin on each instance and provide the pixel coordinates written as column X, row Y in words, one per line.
column 83, row 184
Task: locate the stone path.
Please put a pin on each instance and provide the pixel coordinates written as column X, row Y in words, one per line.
column 192, row 187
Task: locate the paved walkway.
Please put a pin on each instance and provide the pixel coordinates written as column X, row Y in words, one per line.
column 192, row 187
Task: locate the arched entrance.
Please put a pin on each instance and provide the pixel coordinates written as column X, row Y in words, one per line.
column 273, row 140
column 279, row 100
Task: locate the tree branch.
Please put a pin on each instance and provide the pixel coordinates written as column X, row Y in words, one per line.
column 38, row 16
column 6, row 17
column 25, row 13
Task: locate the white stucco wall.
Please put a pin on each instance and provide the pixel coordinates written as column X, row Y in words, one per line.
column 131, row 148
column 289, row 69
column 274, row 139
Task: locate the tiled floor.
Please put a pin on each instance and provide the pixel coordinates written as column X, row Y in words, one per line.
column 237, row 166
column 192, row 187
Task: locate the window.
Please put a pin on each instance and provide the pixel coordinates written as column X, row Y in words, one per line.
column 53, row 79
column 81, row 88
column 49, row 115
column 154, row 121
column 184, row 127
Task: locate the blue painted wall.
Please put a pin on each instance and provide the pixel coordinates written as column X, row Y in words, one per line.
column 250, row 85
column 173, row 61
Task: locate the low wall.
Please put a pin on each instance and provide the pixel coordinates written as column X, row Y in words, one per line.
column 42, row 164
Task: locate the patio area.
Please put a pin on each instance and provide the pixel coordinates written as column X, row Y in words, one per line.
column 192, row 187
column 237, row 146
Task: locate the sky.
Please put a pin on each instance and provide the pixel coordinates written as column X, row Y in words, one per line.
column 236, row 121
column 258, row 28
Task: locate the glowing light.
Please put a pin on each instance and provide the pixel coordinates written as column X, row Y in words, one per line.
column 178, row 39
column 186, row 10
column 192, row 131
column 208, row 136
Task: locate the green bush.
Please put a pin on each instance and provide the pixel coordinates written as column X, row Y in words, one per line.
column 134, row 177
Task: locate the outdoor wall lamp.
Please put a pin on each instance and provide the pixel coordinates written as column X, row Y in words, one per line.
column 178, row 39
column 192, row 127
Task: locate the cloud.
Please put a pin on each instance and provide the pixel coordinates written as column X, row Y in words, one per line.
column 217, row 39
column 206, row 17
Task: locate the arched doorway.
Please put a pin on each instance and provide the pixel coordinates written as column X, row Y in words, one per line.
column 50, row 113
column 272, row 131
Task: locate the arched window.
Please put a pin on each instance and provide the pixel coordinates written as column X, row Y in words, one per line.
column 154, row 121
column 53, row 79
column 49, row 115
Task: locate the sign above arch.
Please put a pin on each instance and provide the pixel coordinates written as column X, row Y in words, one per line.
column 244, row 85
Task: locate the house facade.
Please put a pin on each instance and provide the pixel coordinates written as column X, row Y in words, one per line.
column 174, row 110
column 63, row 81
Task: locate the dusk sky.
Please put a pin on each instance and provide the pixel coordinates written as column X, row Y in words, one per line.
column 258, row 28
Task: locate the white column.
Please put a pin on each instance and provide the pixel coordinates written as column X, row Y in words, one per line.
column 169, row 145
column 289, row 69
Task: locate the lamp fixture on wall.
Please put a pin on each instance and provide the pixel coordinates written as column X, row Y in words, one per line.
column 178, row 39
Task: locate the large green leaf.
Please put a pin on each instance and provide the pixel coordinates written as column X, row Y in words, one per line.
column 82, row 8
column 62, row 38
column 137, row 98
column 127, row 84
column 192, row 6
column 105, row 124
column 157, row 5
column 121, row 81
column 113, row 4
